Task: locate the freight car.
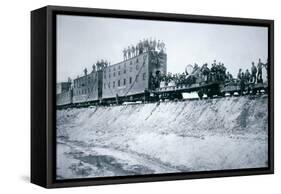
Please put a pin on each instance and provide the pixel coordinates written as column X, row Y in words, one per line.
column 219, row 89
column 129, row 80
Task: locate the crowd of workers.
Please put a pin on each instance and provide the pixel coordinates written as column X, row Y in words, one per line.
column 217, row 72
column 143, row 46
column 255, row 76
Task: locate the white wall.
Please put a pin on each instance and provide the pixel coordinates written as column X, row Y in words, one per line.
column 15, row 94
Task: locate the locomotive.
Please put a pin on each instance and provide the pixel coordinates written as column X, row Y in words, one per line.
column 139, row 78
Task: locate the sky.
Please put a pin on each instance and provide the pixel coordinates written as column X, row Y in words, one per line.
column 83, row 40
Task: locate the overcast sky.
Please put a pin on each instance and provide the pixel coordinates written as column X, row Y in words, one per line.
column 82, row 40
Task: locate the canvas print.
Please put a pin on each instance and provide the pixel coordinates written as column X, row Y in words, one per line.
column 142, row 97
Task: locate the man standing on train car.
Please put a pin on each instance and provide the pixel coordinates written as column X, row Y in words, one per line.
column 154, row 45
column 254, row 72
column 219, row 70
column 205, row 71
column 133, row 50
column 94, row 67
column 242, row 83
column 158, row 45
column 137, row 49
column 247, row 80
column 223, row 71
column 229, row 77
column 125, row 54
column 214, row 71
column 259, row 77
column 266, row 68
column 140, row 47
column 247, row 76
column 128, row 52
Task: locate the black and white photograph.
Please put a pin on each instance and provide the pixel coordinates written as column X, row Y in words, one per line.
column 144, row 97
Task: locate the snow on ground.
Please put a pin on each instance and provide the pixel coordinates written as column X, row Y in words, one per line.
column 215, row 134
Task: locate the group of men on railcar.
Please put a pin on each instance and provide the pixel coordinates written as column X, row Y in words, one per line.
column 217, row 72
column 255, row 76
column 100, row 65
column 143, row 46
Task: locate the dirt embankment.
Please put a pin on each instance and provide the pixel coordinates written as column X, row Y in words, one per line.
column 215, row 134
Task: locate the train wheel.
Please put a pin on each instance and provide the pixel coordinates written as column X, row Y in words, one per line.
column 222, row 94
column 209, row 95
column 200, row 95
column 180, row 97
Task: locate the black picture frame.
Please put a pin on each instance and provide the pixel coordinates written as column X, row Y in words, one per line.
column 43, row 95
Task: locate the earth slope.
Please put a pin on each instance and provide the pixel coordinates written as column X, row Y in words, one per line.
column 198, row 135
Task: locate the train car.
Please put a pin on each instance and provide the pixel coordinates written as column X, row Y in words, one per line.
column 250, row 88
column 64, row 94
column 195, row 82
column 175, row 92
column 231, row 87
column 130, row 80
column 260, row 88
column 87, row 89
column 64, row 99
